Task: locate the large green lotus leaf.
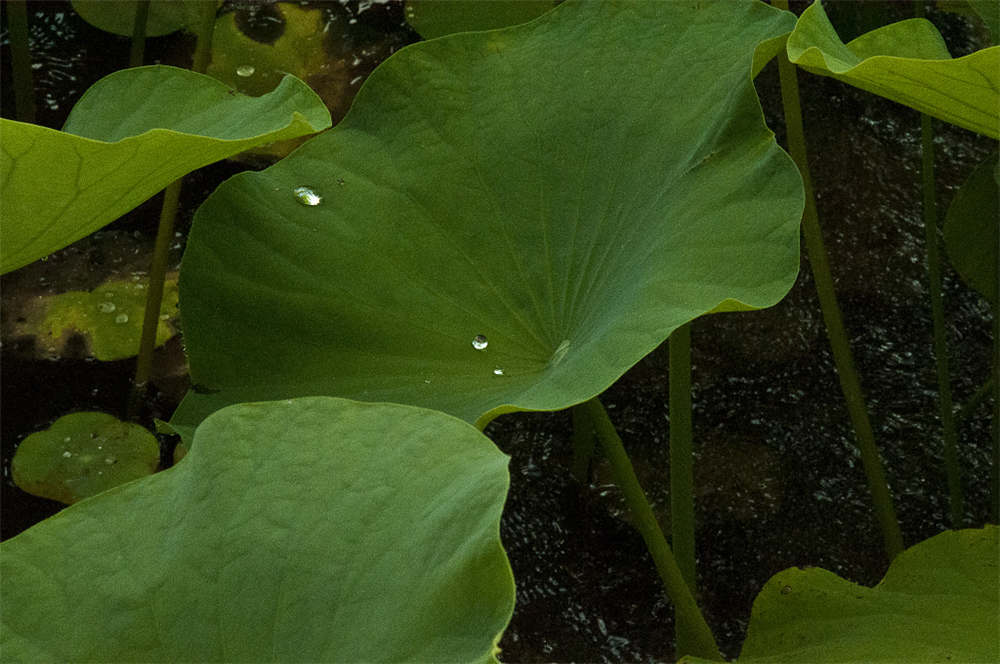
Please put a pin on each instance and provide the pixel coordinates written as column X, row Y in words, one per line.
column 436, row 18
column 83, row 454
column 971, row 229
column 107, row 318
column 571, row 190
column 906, row 62
column 130, row 135
column 313, row 530
column 118, row 16
column 939, row 602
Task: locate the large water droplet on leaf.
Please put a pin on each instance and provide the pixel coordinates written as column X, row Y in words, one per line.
column 479, row 342
column 245, row 70
column 106, row 307
column 307, row 196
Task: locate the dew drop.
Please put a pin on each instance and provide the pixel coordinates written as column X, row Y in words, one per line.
column 245, row 70
column 479, row 342
column 121, row 318
column 109, row 460
column 164, row 316
column 307, row 196
column 67, row 439
column 106, row 307
column 67, row 454
column 498, row 371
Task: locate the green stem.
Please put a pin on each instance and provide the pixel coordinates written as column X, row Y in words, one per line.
column 945, row 406
column 850, row 384
column 164, row 235
column 702, row 642
column 20, row 60
column 583, row 444
column 995, row 474
column 681, row 459
column 139, row 34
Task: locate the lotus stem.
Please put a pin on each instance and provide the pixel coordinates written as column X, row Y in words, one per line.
column 164, row 234
column 138, row 49
column 20, row 60
column 583, row 444
column 850, row 384
column 945, row 406
column 682, row 535
column 689, row 617
column 995, row 474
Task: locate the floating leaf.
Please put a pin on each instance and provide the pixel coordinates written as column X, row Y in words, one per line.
column 971, row 228
column 314, row 530
column 83, row 454
column 131, row 134
column 108, row 318
column 433, row 18
column 571, row 215
column 939, row 602
column 906, row 62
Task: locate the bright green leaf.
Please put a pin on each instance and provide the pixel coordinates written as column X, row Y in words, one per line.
column 315, row 530
column 906, row 62
column 83, row 454
column 571, row 214
column 118, row 16
column 108, row 318
column 939, row 602
column 436, row 18
column 131, row 134
column 971, row 228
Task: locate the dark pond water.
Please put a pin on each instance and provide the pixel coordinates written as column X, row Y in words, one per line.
column 778, row 479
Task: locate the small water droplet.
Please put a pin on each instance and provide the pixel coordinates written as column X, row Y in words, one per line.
column 479, row 342
column 498, row 371
column 109, row 460
column 341, row 182
column 245, row 70
column 307, row 196
column 121, row 318
column 67, row 439
column 164, row 316
column 106, row 307
column 100, row 472
column 67, row 454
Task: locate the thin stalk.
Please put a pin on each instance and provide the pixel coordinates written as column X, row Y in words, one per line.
column 995, row 475
column 681, row 454
column 689, row 616
column 850, row 384
column 139, row 34
column 20, row 60
column 583, row 443
column 945, row 406
column 164, row 235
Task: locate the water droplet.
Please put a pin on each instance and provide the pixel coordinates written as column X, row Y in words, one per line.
column 67, row 439
column 307, row 196
column 479, row 342
column 106, row 307
column 67, row 454
column 164, row 316
column 109, row 294
column 498, row 371
column 341, row 182
column 109, row 460
column 121, row 318
column 245, row 70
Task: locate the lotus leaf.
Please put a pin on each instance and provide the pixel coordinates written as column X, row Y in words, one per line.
column 971, row 229
column 504, row 220
column 131, row 134
column 83, row 454
column 906, row 62
column 432, row 18
column 313, row 530
column 108, row 318
column 118, row 16
column 939, row 602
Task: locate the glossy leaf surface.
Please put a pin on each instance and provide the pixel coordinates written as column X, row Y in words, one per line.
column 432, row 18
column 972, row 226
column 118, row 16
column 83, row 454
column 314, row 530
column 906, row 62
column 570, row 214
column 131, row 134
